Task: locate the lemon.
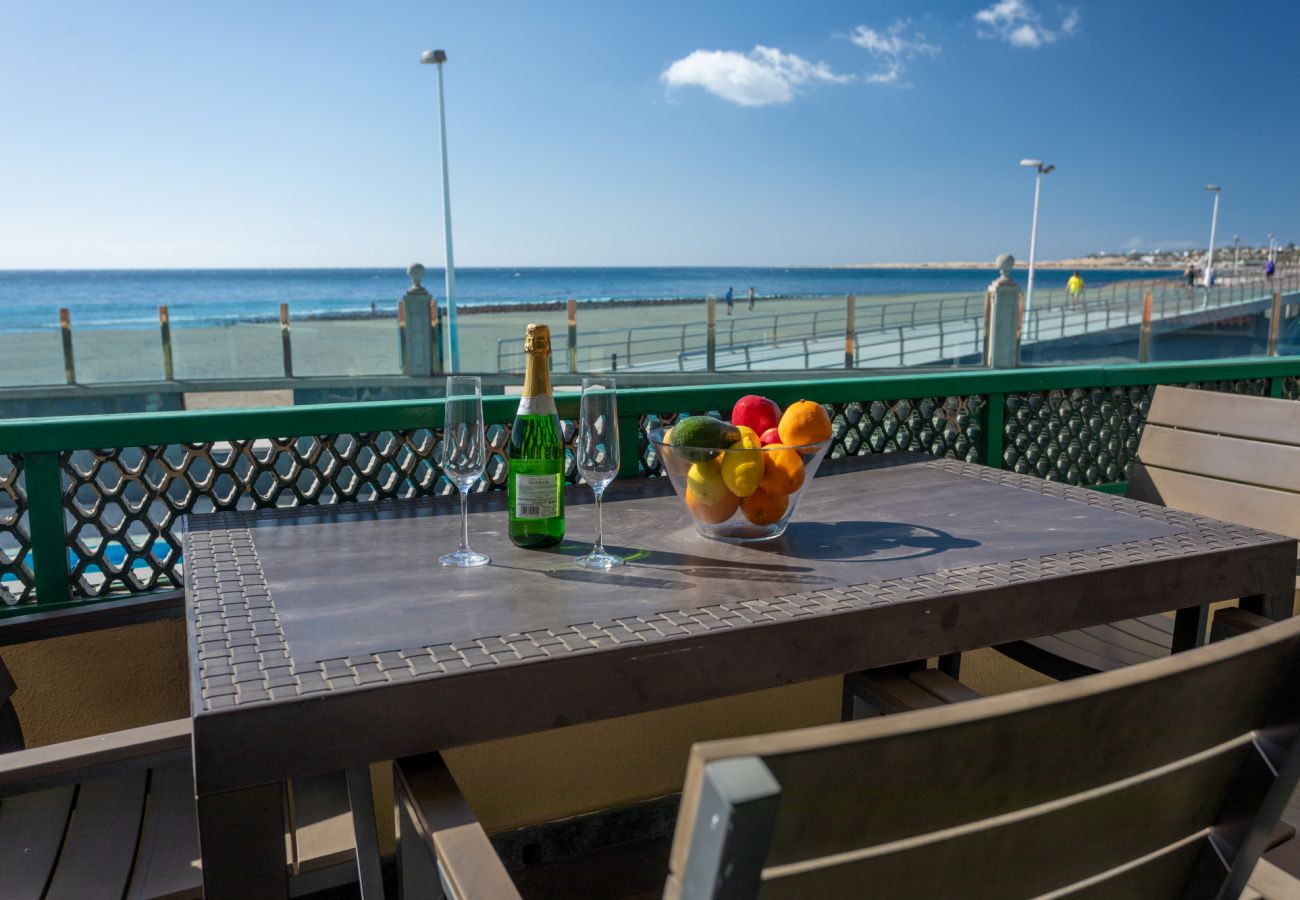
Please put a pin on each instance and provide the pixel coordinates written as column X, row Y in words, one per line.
column 742, row 465
column 704, row 481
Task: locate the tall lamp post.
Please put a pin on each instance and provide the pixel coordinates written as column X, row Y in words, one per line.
column 437, row 58
column 1214, row 222
column 1040, row 170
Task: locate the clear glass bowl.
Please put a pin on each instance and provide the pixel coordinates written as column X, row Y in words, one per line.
column 718, row 513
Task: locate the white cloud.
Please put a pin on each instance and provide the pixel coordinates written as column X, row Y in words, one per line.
column 1020, row 25
column 892, row 48
column 761, row 77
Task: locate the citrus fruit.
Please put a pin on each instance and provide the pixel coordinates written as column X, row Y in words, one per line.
column 782, row 470
column 763, row 508
column 804, row 422
column 715, row 513
column 704, row 481
column 742, row 465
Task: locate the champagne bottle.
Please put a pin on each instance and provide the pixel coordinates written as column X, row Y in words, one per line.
column 535, row 484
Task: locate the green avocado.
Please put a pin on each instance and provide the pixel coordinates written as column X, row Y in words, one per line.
column 698, row 436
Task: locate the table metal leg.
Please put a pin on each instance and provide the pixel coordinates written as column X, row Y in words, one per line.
column 241, row 841
column 1189, row 627
column 369, row 877
column 417, row 872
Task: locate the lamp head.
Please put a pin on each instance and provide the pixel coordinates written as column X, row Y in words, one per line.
column 1212, row 187
column 1046, row 169
column 433, row 56
column 1031, row 163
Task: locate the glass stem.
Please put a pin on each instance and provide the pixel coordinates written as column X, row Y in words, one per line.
column 464, row 519
column 600, row 526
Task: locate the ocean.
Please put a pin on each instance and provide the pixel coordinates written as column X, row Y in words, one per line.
column 123, row 298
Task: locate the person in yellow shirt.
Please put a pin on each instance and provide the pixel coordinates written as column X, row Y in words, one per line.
column 1075, row 287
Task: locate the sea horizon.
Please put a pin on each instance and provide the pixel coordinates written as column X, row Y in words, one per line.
column 125, row 298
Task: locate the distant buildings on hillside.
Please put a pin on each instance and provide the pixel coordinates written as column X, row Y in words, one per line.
column 1223, row 255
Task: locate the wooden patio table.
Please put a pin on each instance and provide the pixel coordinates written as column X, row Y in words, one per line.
column 326, row 637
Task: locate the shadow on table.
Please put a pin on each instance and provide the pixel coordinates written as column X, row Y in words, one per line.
column 865, row 541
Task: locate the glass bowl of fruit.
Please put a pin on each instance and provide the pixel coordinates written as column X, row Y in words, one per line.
column 740, row 483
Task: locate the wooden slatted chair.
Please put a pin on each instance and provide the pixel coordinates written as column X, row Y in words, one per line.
column 114, row 816
column 1139, row 782
column 1219, row 455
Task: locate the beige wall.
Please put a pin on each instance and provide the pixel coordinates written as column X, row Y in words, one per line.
column 92, row 683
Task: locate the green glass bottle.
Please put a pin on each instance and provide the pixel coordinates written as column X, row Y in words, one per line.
column 535, row 484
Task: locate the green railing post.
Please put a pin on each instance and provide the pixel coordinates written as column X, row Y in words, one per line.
column 1276, row 385
column 45, row 523
column 994, row 419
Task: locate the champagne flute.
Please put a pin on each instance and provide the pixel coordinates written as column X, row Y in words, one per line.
column 464, row 454
column 597, row 457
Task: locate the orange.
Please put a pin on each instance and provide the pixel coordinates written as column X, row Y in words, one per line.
column 782, row 470
column 763, row 508
column 804, row 422
column 721, row 511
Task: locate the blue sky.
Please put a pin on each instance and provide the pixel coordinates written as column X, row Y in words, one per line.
column 177, row 134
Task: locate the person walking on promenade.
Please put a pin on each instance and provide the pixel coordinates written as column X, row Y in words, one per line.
column 1190, row 274
column 731, row 299
column 1075, row 287
column 1269, row 268
column 751, row 298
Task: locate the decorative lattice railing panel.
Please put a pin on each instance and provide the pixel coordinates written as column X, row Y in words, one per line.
column 1079, row 436
column 940, row 426
column 16, row 581
column 1291, row 387
column 122, row 505
column 1087, row 435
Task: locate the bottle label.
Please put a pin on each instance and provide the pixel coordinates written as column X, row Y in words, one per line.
column 540, row 405
column 537, row 496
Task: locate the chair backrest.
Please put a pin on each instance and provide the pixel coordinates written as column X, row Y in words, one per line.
column 11, row 733
column 1222, row 455
column 1156, row 780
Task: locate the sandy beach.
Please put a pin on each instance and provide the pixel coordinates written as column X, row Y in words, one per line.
column 368, row 346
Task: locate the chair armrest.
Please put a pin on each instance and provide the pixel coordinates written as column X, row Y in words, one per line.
column 1231, row 621
column 69, row 762
column 467, row 864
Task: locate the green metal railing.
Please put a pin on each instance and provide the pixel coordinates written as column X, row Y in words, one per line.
column 91, row 508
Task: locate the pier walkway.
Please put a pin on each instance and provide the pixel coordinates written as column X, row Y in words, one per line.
column 1111, row 315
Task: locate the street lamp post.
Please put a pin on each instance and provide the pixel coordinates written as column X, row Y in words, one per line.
column 1209, row 258
column 1041, row 170
column 438, row 57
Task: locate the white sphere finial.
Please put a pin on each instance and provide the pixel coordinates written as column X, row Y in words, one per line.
column 416, row 271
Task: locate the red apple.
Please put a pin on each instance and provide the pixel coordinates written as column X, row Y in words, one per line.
column 771, row 436
column 758, row 413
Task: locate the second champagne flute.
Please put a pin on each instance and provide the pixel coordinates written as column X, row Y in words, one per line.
column 597, row 457
column 464, row 454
